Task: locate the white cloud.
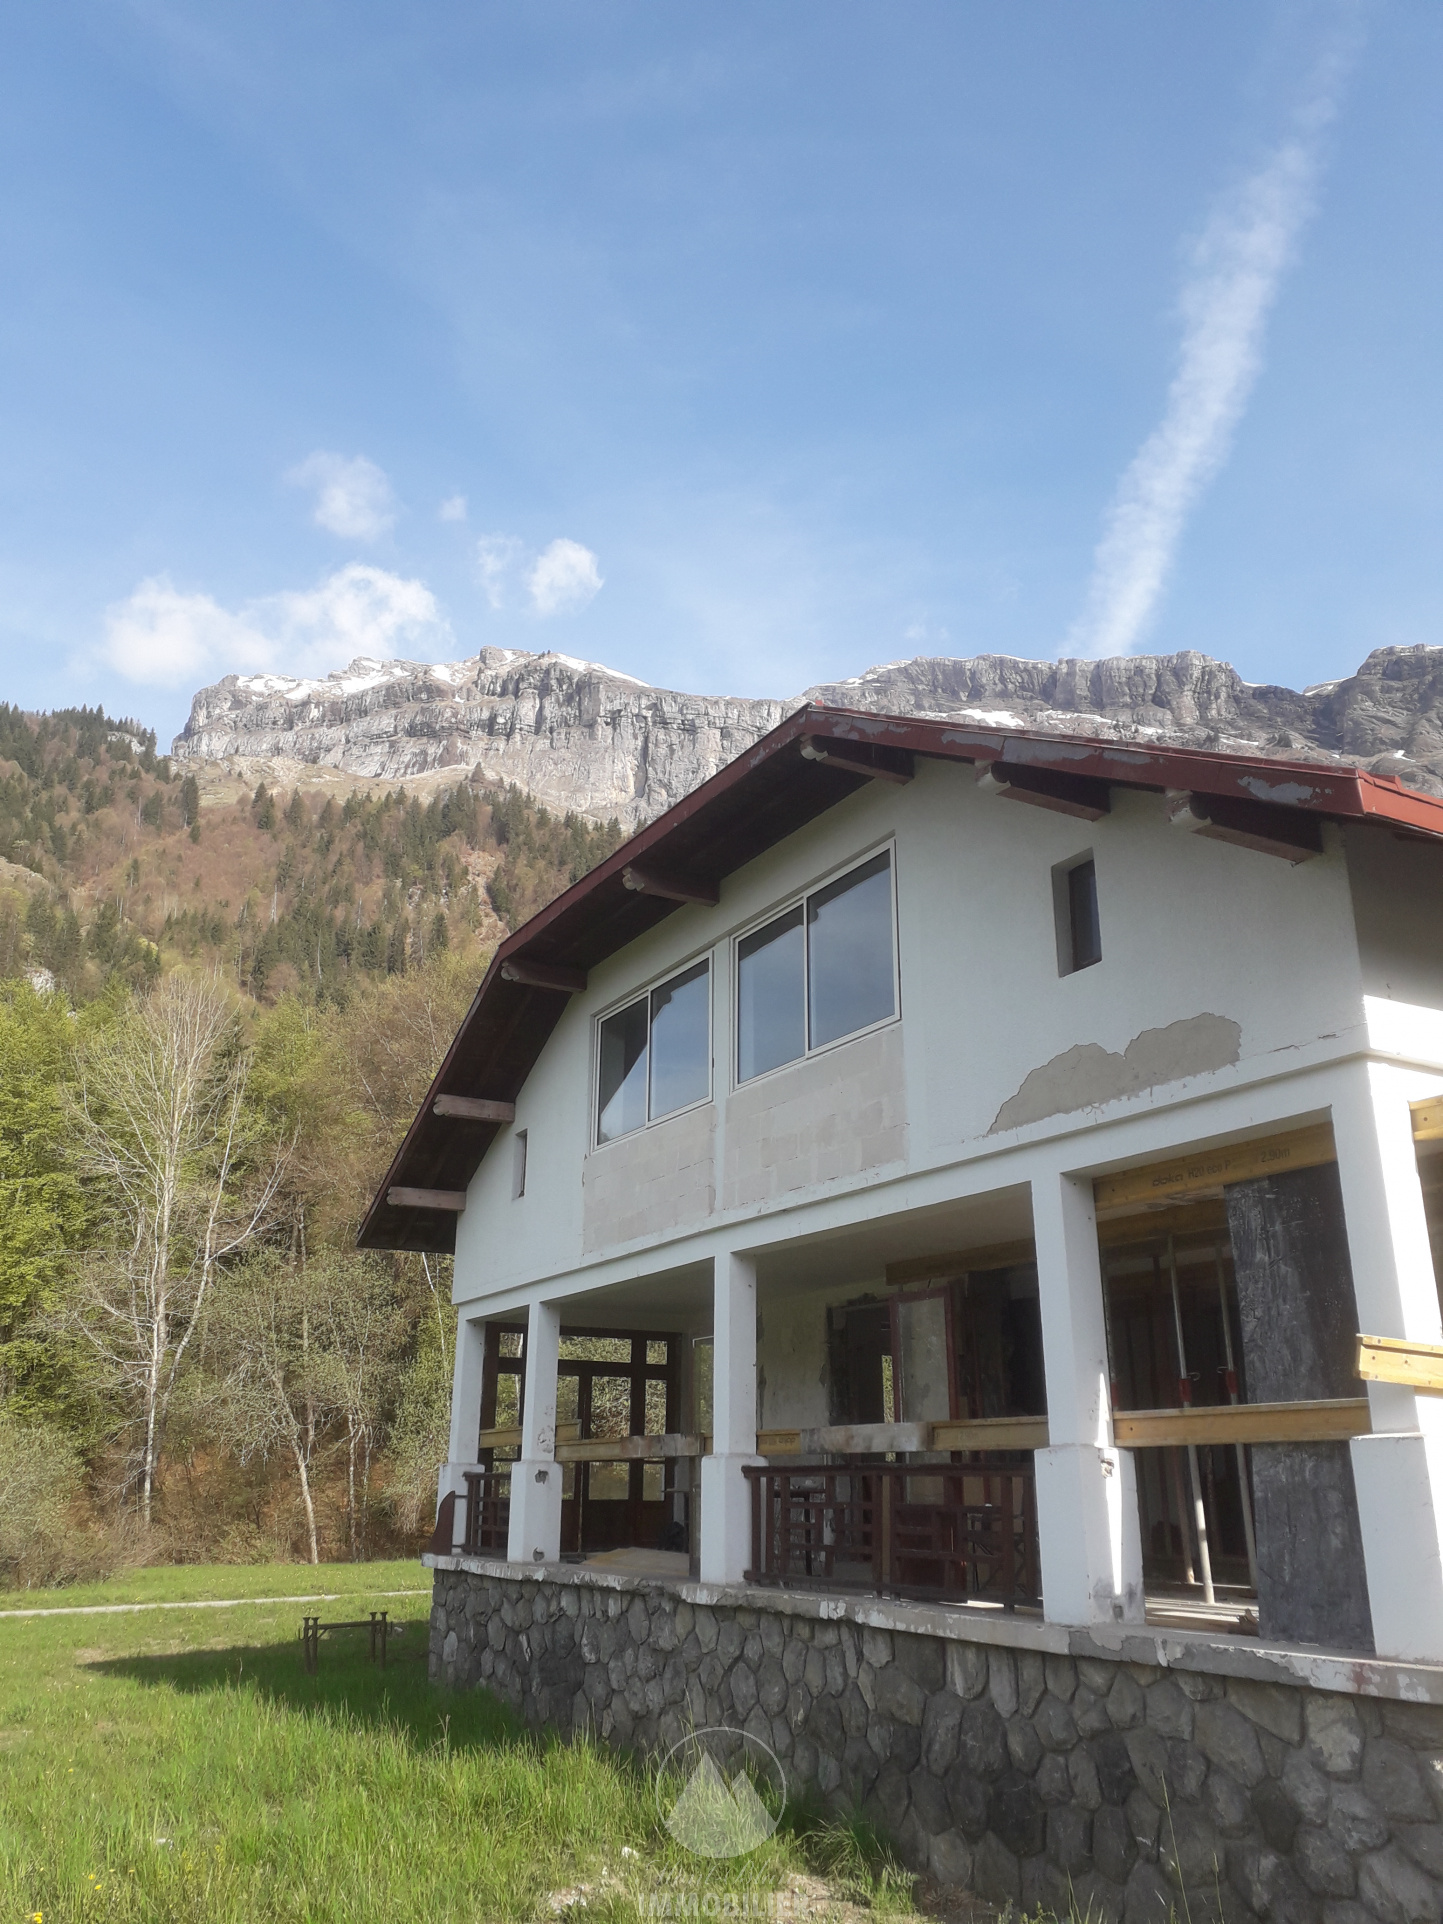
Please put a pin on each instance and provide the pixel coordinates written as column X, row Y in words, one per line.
column 353, row 496
column 563, row 578
column 1236, row 271
column 497, row 558
column 161, row 635
column 453, row 508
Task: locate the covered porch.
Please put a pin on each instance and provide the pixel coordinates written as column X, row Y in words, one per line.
column 1128, row 1399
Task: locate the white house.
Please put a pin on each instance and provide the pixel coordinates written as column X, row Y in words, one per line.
column 871, row 1196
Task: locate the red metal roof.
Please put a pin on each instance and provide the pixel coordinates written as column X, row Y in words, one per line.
column 748, row 806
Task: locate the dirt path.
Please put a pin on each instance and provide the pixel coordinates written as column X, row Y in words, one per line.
column 207, row 1603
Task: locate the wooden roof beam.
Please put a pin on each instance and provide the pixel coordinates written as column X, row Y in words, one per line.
column 861, row 758
column 474, row 1109
column 669, row 886
column 1083, row 796
column 543, row 975
column 452, row 1200
column 1266, row 827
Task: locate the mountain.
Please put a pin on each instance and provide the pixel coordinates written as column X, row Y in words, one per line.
column 574, row 735
column 581, row 737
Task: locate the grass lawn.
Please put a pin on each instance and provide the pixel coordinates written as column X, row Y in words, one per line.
column 177, row 1765
column 204, row 1582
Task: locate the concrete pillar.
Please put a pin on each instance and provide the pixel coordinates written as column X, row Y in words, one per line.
column 1398, row 1470
column 465, row 1412
column 726, row 1504
column 535, row 1530
column 1087, row 1518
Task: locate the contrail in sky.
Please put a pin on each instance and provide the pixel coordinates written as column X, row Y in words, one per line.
column 1233, row 279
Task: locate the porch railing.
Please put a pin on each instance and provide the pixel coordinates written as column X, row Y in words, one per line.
column 947, row 1531
column 488, row 1511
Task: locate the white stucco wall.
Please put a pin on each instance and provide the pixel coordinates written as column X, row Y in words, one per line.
column 1221, row 968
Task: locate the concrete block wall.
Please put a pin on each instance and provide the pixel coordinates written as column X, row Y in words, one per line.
column 1122, row 1788
column 659, row 1179
column 833, row 1115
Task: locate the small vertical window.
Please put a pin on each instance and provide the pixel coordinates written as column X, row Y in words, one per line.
column 1079, row 927
column 518, row 1166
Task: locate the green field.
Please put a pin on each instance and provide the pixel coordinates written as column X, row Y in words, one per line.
column 179, row 1764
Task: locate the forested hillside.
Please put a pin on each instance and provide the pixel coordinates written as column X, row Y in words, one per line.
column 299, row 892
column 218, row 1013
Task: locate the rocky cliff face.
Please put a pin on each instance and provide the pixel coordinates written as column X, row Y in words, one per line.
column 583, row 737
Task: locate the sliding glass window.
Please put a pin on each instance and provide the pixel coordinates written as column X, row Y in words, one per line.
column 823, row 970
column 654, row 1056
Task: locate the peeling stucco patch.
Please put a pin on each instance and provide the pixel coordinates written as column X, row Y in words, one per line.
column 1088, row 1075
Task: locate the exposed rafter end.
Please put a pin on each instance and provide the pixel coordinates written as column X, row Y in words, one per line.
column 669, row 886
column 1083, row 796
column 543, row 975
column 861, row 758
column 453, row 1200
column 1265, row 827
column 474, row 1109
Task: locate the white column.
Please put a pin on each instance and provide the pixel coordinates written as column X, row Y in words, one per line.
column 1087, row 1518
column 465, row 1412
column 726, row 1503
column 535, row 1530
column 1398, row 1470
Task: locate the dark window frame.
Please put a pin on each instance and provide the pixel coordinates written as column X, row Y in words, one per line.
column 1065, row 913
column 789, row 906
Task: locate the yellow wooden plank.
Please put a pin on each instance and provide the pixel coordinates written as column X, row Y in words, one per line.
column 1332, row 1421
column 1384, row 1359
column 992, row 1433
column 628, row 1449
column 1207, row 1170
column 571, row 1447
column 1428, row 1119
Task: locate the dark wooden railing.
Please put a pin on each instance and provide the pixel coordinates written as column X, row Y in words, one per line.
column 488, row 1511
column 947, row 1531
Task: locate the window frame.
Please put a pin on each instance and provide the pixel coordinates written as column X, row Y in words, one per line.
column 705, row 959
column 1062, row 873
column 800, row 898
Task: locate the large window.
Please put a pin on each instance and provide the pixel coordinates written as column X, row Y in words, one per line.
column 654, row 1056
column 821, row 971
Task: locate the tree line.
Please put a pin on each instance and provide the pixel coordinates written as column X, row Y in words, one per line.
column 218, row 1014
column 195, row 1362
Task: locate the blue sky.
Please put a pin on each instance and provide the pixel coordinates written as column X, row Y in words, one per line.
column 737, row 347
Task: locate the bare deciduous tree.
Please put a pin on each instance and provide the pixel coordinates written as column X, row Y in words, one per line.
column 359, row 1331
column 280, row 1390
column 184, row 1181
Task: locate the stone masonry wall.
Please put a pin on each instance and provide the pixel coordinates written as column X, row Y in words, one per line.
column 1085, row 1783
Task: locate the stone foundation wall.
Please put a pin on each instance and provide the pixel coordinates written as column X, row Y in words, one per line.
column 1093, row 1783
